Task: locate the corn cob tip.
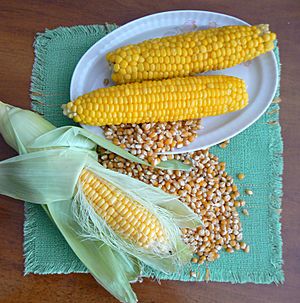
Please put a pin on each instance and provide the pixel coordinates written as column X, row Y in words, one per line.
column 264, row 28
column 69, row 111
column 268, row 37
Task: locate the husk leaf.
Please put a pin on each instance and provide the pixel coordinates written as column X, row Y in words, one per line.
column 49, row 174
column 75, row 136
column 112, row 269
column 42, row 177
column 20, row 127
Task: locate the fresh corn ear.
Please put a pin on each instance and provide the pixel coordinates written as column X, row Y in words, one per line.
column 112, row 222
column 160, row 101
column 125, row 220
column 128, row 218
column 190, row 53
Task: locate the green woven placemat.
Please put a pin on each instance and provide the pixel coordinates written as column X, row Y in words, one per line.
column 256, row 152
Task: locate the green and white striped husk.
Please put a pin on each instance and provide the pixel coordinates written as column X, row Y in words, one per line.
column 47, row 171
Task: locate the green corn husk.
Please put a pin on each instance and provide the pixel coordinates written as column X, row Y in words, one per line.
column 47, row 173
column 112, row 269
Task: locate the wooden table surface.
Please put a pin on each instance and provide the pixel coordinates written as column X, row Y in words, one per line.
column 19, row 21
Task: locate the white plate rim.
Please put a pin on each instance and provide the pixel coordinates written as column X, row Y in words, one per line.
column 159, row 14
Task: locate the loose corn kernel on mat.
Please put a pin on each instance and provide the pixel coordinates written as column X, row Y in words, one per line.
column 257, row 152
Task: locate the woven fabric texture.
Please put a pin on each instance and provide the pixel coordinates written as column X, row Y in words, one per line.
column 257, row 152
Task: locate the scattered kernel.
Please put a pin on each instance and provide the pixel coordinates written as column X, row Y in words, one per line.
column 249, row 192
column 277, row 100
column 247, row 249
column 241, row 176
column 245, row 212
column 193, row 274
column 243, row 245
column 242, row 203
column 223, row 145
column 230, row 250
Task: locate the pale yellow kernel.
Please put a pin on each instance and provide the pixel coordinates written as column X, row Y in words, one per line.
column 128, row 214
column 152, row 234
column 110, row 211
column 126, row 227
column 143, row 239
column 130, row 230
column 135, row 221
column 142, row 227
column 104, row 207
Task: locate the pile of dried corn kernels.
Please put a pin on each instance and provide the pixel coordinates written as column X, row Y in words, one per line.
column 148, row 139
column 206, row 188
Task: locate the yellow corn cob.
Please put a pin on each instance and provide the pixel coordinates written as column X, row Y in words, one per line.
column 127, row 218
column 160, row 101
column 190, row 53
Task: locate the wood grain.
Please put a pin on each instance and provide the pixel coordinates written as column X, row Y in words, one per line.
column 19, row 21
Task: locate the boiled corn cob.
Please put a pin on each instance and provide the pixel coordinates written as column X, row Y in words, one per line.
column 160, row 101
column 128, row 218
column 190, row 53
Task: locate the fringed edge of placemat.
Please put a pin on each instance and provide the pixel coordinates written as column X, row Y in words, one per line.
column 37, row 88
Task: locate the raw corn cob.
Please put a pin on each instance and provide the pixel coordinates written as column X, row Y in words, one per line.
column 126, row 217
column 160, row 101
column 190, row 53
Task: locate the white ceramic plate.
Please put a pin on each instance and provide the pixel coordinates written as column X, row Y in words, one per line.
column 260, row 74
